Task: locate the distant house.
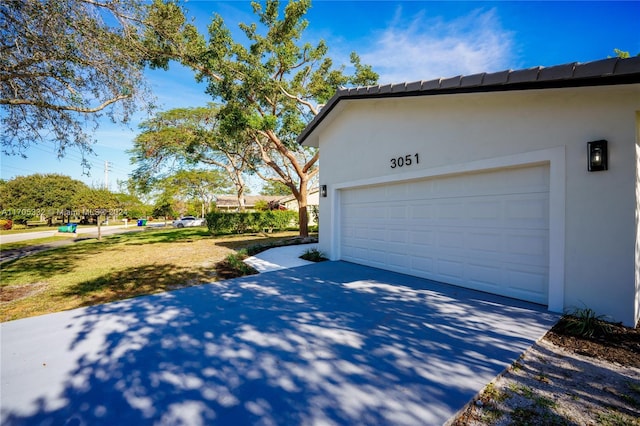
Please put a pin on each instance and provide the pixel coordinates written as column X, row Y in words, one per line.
column 313, row 202
column 230, row 203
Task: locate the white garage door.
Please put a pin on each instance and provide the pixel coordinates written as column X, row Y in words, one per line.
column 488, row 231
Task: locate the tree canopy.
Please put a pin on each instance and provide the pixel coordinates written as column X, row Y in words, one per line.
column 188, row 137
column 63, row 64
column 270, row 86
column 36, row 195
column 201, row 185
column 274, row 188
column 96, row 203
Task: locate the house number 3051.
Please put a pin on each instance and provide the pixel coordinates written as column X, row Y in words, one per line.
column 407, row 160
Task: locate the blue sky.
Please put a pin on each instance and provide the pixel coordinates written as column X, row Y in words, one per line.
column 402, row 40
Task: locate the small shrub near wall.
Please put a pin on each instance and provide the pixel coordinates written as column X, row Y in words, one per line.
column 242, row 222
column 6, row 224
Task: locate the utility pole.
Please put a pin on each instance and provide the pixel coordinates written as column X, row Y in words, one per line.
column 106, row 175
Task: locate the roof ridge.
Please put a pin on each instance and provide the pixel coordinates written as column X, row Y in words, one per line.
column 537, row 70
column 608, row 71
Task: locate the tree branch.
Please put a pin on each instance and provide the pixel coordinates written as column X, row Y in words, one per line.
column 302, row 101
column 311, row 162
column 43, row 104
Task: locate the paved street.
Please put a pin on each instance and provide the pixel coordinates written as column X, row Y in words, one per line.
column 106, row 230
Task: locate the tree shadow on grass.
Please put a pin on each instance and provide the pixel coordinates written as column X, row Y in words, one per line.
column 329, row 343
column 136, row 281
column 61, row 260
column 167, row 236
column 45, row 264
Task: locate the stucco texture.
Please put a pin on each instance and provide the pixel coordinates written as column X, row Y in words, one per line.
column 594, row 226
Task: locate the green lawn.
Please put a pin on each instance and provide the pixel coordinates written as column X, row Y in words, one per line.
column 118, row 267
column 34, row 242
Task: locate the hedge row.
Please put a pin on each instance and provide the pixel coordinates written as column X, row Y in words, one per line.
column 241, row 222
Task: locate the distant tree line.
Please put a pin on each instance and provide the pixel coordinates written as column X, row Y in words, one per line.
column 56, row 197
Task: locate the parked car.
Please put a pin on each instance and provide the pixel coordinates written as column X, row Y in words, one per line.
column 188, row 221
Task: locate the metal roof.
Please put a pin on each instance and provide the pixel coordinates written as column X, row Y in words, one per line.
column 604, row 72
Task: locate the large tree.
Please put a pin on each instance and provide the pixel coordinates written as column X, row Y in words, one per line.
column 274, row 188
column 41, row 196
column 64, row 63
column 201, row 185
column 96, row 203
column 186, row 137
column 270, row 85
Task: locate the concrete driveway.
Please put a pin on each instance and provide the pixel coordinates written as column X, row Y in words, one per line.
column 325, row 344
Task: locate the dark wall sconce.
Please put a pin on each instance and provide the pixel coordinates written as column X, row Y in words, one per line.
column 323, row 191
column 597, row 156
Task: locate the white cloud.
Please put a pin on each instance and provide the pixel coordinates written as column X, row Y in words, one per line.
column 425, row 48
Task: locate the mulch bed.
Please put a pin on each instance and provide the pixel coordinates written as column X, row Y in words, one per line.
column 621, row 346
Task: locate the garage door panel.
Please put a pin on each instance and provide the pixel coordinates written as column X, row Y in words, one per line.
column 421, row 211
column 419, row 190
column 399, row 193
column 487, row 231
column 487, row 209
column 377, row 234
column 531, row 244
column 421, row 240
column 378, row 255
column 422, row 264
column 488, row 274
column 450, row 212
column 451, row 268
column 398, row 261
column 355, row 253
column 531, row 210
column 530, row 286
column 489, row 241
column 397, row 213
column 451, row 239
column 398, row 236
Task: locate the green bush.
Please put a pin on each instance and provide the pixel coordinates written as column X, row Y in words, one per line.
column 585, row 323
column 313, row 255
column 233, row 266
column 241, row 222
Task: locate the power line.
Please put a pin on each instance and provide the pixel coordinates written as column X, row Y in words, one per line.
column 19, row 169
column 93, row 161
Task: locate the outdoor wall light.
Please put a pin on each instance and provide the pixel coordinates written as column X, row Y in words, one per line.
column 598, row 156
column 323, row 191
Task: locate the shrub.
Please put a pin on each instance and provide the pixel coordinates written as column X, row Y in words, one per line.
column 313, row 255
column 6, row 224
column 242, row 222
column 233, row 266
column 584, row 323
column 261, row 205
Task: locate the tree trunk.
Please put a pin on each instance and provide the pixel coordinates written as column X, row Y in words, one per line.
column 241, row 205
column 303, row 216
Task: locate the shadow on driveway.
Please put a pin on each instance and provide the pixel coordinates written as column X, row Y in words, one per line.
column 328, row 343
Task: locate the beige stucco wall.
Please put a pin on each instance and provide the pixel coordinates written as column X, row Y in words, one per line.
column 596, row 240
column 313, row 200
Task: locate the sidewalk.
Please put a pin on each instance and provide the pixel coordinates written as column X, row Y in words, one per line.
column 279, row 258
